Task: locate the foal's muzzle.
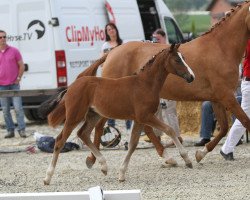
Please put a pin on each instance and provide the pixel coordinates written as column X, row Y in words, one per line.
column 188, row 77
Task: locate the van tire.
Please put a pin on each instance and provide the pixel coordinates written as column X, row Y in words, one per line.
column 32, row 115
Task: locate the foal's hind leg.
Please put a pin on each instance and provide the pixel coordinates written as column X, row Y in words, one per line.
column 84, row 133
column 90, row 160
column 59, row 144
column 156, row 123
column 134, row 139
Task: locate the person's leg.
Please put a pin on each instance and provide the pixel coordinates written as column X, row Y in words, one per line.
column 207, row 120
column 237, row 130
column 17, row 103
column 111, row 122
column 5, row 104
column 207, row 123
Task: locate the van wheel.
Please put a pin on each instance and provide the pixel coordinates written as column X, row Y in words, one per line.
column 32, row 115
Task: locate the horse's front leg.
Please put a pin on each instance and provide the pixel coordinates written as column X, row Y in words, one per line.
column 134, row 139
column 90, row 160
column 156, row 123
column 221, row 116
column 59, row 144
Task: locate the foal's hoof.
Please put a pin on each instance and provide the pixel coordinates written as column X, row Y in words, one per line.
column 45, row 182
column 121, row 180
column 199, row 155
column 189, row 165
column 171, row 162
column 89, row 162
column 104, row 172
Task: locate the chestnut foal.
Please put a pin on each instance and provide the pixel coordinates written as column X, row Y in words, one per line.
column 136, row 98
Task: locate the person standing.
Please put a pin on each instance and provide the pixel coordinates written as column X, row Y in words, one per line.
column 167, row 111
column 11, row 71
column 113, row 40
column 237, row 130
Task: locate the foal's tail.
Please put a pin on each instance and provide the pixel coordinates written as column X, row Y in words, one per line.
column 91, row 70
column 48, row 106
column 58, row 115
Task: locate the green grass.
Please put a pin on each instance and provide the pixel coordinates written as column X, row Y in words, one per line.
column 193, row 23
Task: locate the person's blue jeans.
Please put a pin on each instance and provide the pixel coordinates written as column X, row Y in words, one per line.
column 111, row 122
column 17, row 104
column 208, row 121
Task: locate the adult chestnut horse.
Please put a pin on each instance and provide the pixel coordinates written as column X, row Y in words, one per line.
column 89, row 98
column 214, row 57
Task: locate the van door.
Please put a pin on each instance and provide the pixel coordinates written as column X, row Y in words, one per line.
column 26, row 24
column 168, row 23
column 81, row 32
column 127, row 18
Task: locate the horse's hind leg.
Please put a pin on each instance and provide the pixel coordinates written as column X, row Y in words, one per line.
column 156, row 123
column 134, row 139
column 221, row 117
column 84, row 133
column 90, row 160
column 59, row 144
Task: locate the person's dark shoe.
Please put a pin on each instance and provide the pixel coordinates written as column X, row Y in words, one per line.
column 10, row 134
column 202, row 142
column 229, row 156
column 22, row 133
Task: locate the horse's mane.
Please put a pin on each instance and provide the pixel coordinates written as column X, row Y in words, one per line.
column 233, row 10
column 151, row 61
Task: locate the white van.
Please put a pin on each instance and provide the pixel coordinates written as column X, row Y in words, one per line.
column 60, row 38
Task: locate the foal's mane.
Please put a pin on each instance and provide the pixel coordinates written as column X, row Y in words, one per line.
column 151, row 61
column 228, row 15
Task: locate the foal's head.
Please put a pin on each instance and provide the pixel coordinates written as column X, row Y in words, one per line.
column 176, row 64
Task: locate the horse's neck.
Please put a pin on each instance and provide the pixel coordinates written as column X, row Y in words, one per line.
column 231, row 35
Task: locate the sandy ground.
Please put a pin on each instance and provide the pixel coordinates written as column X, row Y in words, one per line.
column 213, row 178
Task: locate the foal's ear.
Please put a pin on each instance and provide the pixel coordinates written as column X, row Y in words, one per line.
column 172, row 47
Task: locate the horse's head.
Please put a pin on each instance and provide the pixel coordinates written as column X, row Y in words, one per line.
column 176, row 64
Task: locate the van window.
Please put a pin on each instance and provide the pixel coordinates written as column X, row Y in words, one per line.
column 174, row 34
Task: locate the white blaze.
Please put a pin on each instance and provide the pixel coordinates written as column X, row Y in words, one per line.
column 189, row 69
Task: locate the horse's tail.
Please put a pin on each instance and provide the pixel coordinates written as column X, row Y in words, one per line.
column 46, row 107
column 91, row 70
column 58, row 115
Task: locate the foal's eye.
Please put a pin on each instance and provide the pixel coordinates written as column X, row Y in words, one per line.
column 178, row 60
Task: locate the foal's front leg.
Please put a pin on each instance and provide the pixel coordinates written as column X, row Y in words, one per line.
column 156, row 123
column 134, row 139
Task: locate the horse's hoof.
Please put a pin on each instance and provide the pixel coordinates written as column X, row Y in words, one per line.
column 45, row 182
column 89, row 162
column 199, row 155
column 104, row 172
column 121, row 180
column 189, row 165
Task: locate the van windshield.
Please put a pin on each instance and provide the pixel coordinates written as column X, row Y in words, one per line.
column 174, row 34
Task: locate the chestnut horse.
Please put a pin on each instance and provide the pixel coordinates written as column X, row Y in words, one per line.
column 214, row 57
column 136, row 98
